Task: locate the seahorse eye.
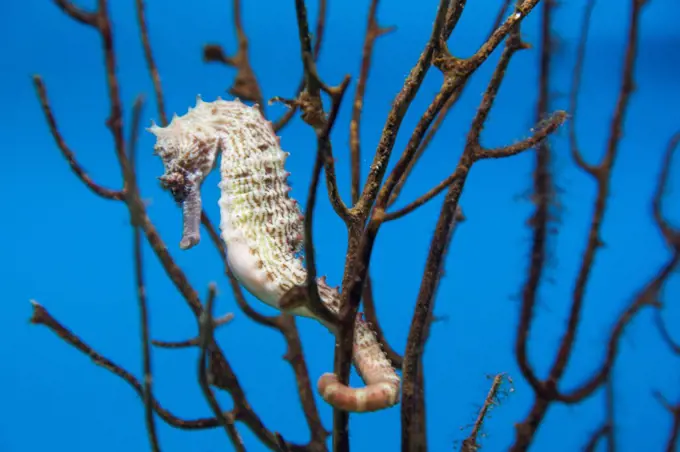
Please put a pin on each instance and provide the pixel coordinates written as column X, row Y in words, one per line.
column 177, row 184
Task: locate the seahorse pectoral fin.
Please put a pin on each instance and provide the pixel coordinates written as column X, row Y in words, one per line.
column 191, row 217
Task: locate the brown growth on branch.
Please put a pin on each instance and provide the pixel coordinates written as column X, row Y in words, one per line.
column 369, row 206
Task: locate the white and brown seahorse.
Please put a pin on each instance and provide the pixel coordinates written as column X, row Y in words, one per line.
column 261, row 226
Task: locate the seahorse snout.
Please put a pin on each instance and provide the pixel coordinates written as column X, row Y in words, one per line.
column 191, row 216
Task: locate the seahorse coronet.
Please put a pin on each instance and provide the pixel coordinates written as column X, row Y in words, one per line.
column 261, row 225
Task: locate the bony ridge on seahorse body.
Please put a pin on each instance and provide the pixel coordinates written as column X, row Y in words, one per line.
column 261, row 226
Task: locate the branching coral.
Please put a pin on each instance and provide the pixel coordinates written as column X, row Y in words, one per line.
column 264, row 232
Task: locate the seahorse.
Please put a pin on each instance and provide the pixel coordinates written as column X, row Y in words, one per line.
column 262, row 227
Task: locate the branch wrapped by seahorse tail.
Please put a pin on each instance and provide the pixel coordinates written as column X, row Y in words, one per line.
column 261, row 226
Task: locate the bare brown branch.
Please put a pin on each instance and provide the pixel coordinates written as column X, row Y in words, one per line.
column 576, row 88
column 66, row 151
column 76, row 13
column 546, row 392
column 543, row 192
column 41, row 316
column 603, row 175
column 373, row 31
column 453, row 17
column 398, row 111
column 150, row 62
column 434, row 128
column 245, row 85
column 440, row 187
column 666, row 230
column 674, row 410
column 318, row 39
column 471, row 443
column 206, row 340
column 133, row 199
column 194, row 342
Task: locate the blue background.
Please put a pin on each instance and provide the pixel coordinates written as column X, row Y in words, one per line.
column 71, row 250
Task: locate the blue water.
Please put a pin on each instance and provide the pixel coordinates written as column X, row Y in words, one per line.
column 72, row 251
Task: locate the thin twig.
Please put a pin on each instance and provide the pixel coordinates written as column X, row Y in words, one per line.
column 603, row 177
column 543, row 192
column 66, row 151
column 318, row 39
column 194, row 342
column 576, row 88
column 398, row 111
column 453, row 17
column 41, row 316
column 206, row 340
column 440, row 187
column 150, row 62
column 373, row 31
column 470, row 444
column 674, row 410
column 666, row 230
column 133, row 199
column 245, row 85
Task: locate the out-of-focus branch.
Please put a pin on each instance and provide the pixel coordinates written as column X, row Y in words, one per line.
column 66, row 151
column 542, row 196
column 546, row 391
column 134, row 200
column 602, row 176
column 76, row 13
column 667, row 231
column 373, row 32
column 576, row 88
column 665, row 334
column 41, row 316
column 646, row 297
column 674, row 410
column 150, row 62
column 194, row 342
column 206, row 339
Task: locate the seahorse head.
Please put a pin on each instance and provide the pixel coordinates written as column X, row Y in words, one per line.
column 188, row 148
